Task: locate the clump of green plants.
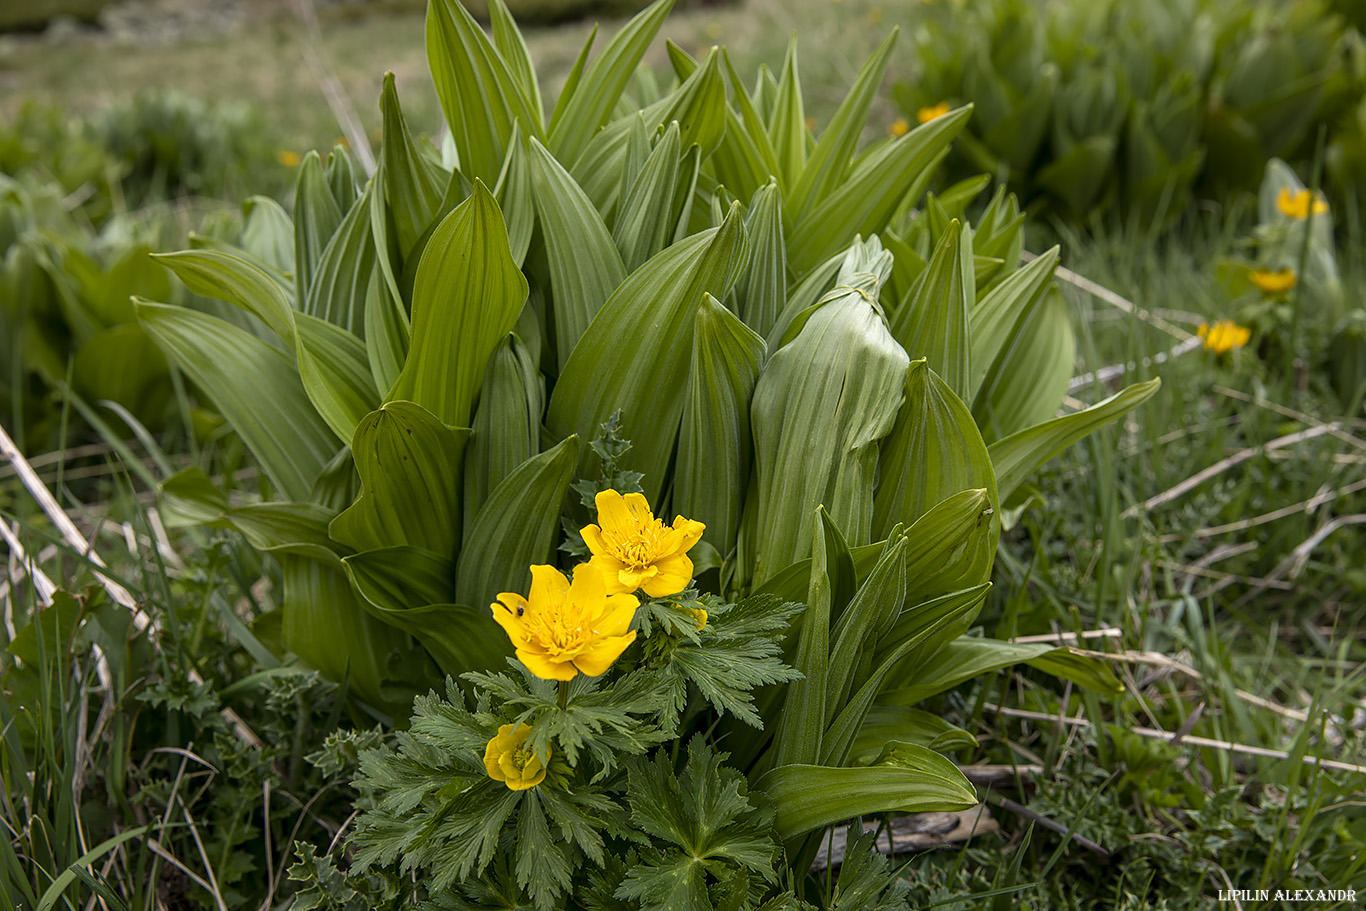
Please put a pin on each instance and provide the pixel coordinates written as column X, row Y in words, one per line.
column 1136, row 109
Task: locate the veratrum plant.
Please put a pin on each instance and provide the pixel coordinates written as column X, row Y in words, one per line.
column 846, row 397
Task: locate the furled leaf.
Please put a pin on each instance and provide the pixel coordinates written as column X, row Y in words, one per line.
column 1026, row 383
column 412, row 184
column 340, row 276
column 507, row 423
column 933, row 322
column 762, row 290
column 316, row 218
column 1004, row 308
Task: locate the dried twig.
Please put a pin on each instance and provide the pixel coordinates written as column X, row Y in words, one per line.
column 1105, row 294
column 315, row 54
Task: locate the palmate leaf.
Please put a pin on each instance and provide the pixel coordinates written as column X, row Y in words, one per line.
column 647, row 380
column 255, row 386
column 466, row 298
column 706, row 823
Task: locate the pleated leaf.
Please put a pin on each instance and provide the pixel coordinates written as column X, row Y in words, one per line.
column 965, row 658
column 466, row 298
column 588, row 102
column 643, row 223
column 1019, row 455
column 507, row 423
column 933, row 323
column 508, row 39
column 479, row 93
column 906, row 779
column 316, row 218
column 268, row 233
column 412, row 184
column 336, row 374
column 1026, row 382
column 787, row 127
column 516, row 527
column 459, row 638
column 410, row 469
column 762, row 290
column 636, row 354
column 230, row 277
column 387, row 332
column 713, row 460
column 1005, row 308
column 821, row 405
column 395, row 578
column 255, row 386
column 585, row 267
column 340, row 276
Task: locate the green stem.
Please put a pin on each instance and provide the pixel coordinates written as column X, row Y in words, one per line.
column 564, row 694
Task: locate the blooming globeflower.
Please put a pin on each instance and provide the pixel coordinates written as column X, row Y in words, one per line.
column 507, row 758
column 563, row 629
column 1296, row 204
column 635, row 550
column 934, row 112
column 1273, row 282
column 1224, row 336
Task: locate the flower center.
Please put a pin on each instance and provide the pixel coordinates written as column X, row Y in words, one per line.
column 557, row 630
column 521, row 756
column 640, row 549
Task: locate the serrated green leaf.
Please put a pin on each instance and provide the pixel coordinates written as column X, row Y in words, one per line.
column 466, row 298
column 516, row 527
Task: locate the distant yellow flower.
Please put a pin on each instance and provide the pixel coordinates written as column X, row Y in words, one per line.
column 925, row 115
column 635, row 550
column 566, row 629
column 713, row 30
column 508, row 760
column 699, row 616
column 875, row 14
column 342, row 141
column 1296, row 205
column 810, row 123
column 1277, row 282
column 899, row 128
column 287, row 158
column 1224, row 336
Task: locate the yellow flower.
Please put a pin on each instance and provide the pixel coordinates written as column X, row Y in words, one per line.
column 508, row 760
column 635, row 550
column 699, row 616
column 1274, row 282
column 899, row 128
column 287, row 158
column 1296, row 205
column 562, row 630
column 1224, row 335
column 713, row 30
column 810, row 123
column 875, row 14
column 925, row 115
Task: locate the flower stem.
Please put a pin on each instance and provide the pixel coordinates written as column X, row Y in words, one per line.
column 564, row 694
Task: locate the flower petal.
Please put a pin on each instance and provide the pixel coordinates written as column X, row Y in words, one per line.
column 548, row 586
column 674, row 574
column 689, row 532
column 592, row 536
column 541, row 665
column 598, row 657
column 588, row 588
column 632, row 579
column 491, row 761
column 610, row 568
column 505, row 612
column 616, row 618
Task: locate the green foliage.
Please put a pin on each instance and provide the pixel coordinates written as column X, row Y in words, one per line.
column 1136, row 109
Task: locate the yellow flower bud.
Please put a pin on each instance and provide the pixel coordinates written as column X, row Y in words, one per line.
column 1224, row 336
column 1296, row 205
column 925, row 115
column 1277, row 282
column 508, row 759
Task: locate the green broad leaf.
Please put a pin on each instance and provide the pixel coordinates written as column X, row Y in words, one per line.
column 336, row 374
column 745, row 160
column 588, row 102
column 316, row 218
column 387, row 332
column 762, row 290
column 1005, row 309
column 516, row 527
column 327, row 625
column 458, row 637
column 712, row 469
column 514, row 194
column 267, row 233
column 412, row 185
column 933, row 322
column 821, row 405
column 906, row 779
column 410, row 468
column 964, row 658
column 814, row 286
column 1026, row 383
column 479, row 92
column 227, row 276
column 886, row 723
column 255, row 386
column 507, row 423
column 643, row 224
column 934, row 451
column 189, row 497
column 122, row 364
column 395, row 578
column 585, row 267
column 341, row 274
column 508, row 39
column 801, row 724
column 787, row 125
column 825, row 170
column 862, row 625
column 636, row 353
column 1019, row 455
column 287, row 528
column 926, row 622
column 466, row 298
column 342, row 176
column 864, row 203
